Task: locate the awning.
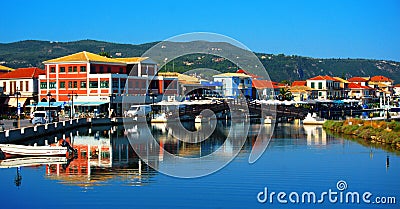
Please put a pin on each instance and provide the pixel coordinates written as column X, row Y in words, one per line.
column 92, row 103
column 46, row 104
column 13, row 101
column 59, row 104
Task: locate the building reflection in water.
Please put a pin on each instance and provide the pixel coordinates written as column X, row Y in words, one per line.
column 316, row 135
column 103, row 154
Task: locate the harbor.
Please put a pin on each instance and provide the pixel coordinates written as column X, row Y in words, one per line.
column 107, row 165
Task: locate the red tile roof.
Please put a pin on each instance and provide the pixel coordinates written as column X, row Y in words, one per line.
column 247, row 73
column 32, row 72
column 299, row 83
column 381, row 78
column 263, row 84
column 321, row 77
column 358, row 86
column 357, row 79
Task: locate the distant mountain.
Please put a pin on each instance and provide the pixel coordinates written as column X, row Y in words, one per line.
column 280, row 67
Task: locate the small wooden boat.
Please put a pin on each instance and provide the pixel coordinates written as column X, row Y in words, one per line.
column 269, row 120
column 31, row 161
column 10, row 150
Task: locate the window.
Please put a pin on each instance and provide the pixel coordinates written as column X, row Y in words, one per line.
column 93, row 84
column 319, row 93
column 43, row 85
column 104, row 84
column 101, row 69
column 75, row 69
column 62, row 85
column 52, row 85
column 83, row 84
column 312, row 85
column 115, row 84
column 69, row 84
column 121, row 70
column 75, row 84
column 319, row 85
column 62, row 69
column 108, row 69
column 69, row 69
column 4, row 86
column 92, row 69
column 83, row 68
column 52, row 69
column 21, row 86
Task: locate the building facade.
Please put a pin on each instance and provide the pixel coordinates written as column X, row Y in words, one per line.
column 235, row 84
column 20, row 88
column 93, row 80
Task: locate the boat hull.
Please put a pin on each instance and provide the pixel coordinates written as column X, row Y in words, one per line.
column 11, row 150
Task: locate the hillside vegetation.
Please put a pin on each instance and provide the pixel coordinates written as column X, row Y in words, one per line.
column 280, row 67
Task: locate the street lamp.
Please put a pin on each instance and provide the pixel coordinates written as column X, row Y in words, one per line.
column 16, row 94
column 112, row 97
column 153, row 96
column 49, row 97
column 71, row 97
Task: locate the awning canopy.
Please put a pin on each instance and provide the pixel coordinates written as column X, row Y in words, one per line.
column 46, row 104
column 13, row 101
column 59, row 104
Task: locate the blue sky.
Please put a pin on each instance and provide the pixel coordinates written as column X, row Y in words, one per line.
column 339, row 29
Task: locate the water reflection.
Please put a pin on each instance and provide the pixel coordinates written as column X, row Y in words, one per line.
column 106, row 153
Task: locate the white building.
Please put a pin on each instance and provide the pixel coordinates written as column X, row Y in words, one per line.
column 234, row 83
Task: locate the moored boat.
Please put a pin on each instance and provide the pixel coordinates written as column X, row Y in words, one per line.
column 11, row 150
column 313, row 120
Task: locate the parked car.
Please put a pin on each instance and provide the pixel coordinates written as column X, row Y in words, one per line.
column 138, row 111
column 42, row 117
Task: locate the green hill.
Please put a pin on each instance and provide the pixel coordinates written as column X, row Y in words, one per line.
column 280, row 67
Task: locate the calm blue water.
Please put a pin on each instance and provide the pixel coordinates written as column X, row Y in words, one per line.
column 298, row 159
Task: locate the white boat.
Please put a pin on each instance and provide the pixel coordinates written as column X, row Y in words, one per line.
column 23, row 150
column 313, row 120
column 31, row 161
column 268, row 120
column 159, row 118
column 200, row 119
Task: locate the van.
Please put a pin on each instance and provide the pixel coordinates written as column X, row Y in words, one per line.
column 42, row 117
column 138, row 111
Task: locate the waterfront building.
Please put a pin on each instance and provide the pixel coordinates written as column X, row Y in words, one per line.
column 344, row 87
column 357, row 91
column 324, row 87
column 4, row 69
column 300, row 91
column 264, row 89
column 234, row 84
column 396, row 90
column 21, row 83
column 95, row 81
column 382, row 84
column 363, row 81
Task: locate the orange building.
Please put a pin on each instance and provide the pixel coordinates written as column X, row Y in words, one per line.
column 92, row 80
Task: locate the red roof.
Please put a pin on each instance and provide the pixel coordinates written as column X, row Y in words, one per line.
column 381, row 78
column 321, row 77
column 299, row 83
column 263, row 84
column 358, row 86
column 32, row 72
column 397, row 85
column 247, row 73
column 357, row 79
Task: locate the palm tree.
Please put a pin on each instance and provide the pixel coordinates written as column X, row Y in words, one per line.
column 285, row 94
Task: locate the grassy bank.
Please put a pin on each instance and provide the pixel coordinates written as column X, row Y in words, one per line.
column 374, row 131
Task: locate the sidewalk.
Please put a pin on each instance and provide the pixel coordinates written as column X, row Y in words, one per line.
column 8, row 124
